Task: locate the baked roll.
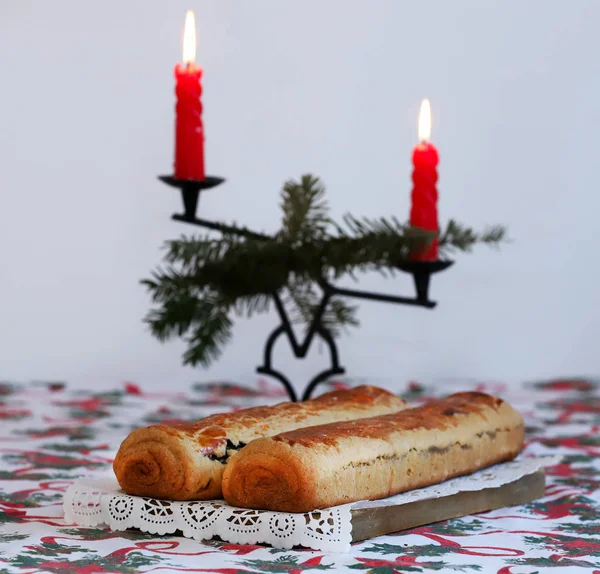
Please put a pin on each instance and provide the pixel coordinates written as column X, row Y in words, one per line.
column 186, row 461
column 327, row 465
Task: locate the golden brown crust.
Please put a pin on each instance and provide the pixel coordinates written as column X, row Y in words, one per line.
column 186, row 461
column 326, row 465
column 439, row 415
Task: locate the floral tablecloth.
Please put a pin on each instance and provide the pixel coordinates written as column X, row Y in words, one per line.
column 51, row 434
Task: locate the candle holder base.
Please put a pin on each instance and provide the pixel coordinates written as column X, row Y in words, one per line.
column 190, row 192
column 422, row 272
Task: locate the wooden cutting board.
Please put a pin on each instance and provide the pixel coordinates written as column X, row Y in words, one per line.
column 371, row 522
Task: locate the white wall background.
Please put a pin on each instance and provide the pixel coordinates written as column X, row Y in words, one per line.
column 332, row 88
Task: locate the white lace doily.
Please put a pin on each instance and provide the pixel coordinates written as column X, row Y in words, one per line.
column 89, row 502
column 492, row 477
column 94, row 501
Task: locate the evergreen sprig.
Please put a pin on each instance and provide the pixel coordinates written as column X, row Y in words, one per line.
column 205, row 281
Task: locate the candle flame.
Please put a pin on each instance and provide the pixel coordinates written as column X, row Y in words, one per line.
column 189, row 39
column 425, row 120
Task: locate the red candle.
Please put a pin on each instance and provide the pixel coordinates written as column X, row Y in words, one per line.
column 189, row 130
column 424, row 193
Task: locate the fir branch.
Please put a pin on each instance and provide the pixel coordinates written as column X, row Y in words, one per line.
column 305, row 209
column 191, row 252
column 174, row 318
column 212, row 331
column 304, row 300
column 252, row 305
column 340, row 315
column 167, row 283
column 377, row 244
column 201, row 320
column 457, row 237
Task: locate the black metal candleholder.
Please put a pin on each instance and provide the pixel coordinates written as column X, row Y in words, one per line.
column 420, row 270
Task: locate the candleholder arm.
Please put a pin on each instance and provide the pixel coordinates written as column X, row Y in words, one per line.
column 222, row 228
column 383, row 297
